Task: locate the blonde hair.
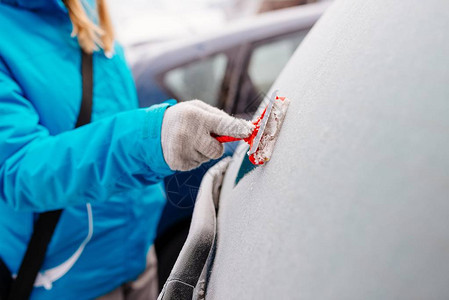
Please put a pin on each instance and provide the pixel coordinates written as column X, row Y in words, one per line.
column 91, row 36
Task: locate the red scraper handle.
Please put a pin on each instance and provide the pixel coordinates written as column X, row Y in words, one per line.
column 225, row 138
column 248, row 140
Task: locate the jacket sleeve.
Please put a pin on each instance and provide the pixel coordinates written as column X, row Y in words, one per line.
column 40, row 172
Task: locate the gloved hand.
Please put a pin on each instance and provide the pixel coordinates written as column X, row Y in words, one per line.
column 186, row 133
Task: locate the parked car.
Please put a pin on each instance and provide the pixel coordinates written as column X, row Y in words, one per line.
column 231, row 69
column 354, row 201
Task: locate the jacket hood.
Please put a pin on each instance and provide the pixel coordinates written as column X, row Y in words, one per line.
column 44, row 5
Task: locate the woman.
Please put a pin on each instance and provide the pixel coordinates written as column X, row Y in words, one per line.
column 104, row 174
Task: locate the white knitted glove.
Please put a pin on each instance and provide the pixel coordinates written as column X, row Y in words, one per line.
column 186, row 133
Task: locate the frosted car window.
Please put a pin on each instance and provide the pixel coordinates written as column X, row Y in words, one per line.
column 198, row 80
column 354, row 201
column 268, row 60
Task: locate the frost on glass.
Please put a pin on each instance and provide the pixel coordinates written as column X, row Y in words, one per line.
column 353, row 203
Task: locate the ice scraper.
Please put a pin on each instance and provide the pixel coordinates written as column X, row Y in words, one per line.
column 267, row 127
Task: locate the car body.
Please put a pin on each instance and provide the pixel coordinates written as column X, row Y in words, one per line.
column 354, row 201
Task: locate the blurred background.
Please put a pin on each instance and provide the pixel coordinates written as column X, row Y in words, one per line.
column 155, row 21
column 227, row 53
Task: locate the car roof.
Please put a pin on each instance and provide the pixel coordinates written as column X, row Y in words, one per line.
column 354, row 201
column 153, row 59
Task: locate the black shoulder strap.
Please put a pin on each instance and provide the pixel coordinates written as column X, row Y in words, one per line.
column 47, row 221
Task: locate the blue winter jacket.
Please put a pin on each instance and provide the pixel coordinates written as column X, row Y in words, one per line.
column 102, row 174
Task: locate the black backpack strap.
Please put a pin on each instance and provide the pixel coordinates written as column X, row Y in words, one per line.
column 85, row 113
column 46, row 223
column 5, row 280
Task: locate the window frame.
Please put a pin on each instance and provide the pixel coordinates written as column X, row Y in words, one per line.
column 246, row 51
